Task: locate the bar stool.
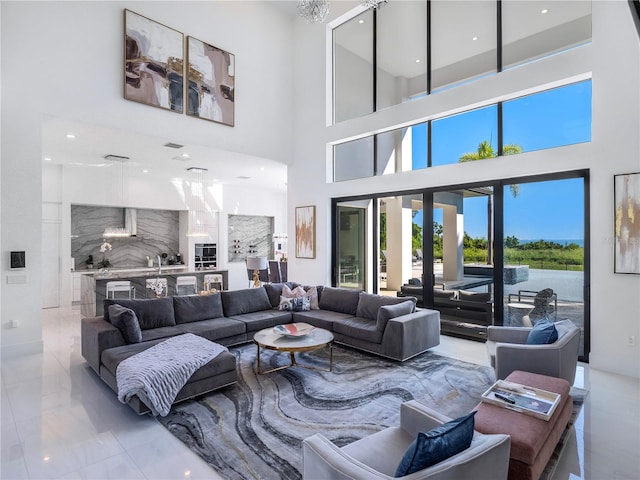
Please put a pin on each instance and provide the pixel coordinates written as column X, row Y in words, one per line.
column 120, row 286
column 186, row 285
column 151, row 284
column 214, row 280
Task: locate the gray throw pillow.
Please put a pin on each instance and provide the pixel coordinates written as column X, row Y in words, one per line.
column 387, row 312
column 125, row 320
column 369, row 303
column 341, row 300
column 437, row 445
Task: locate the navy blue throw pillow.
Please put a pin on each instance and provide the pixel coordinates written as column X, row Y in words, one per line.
column 542, row 333
column 437, row 445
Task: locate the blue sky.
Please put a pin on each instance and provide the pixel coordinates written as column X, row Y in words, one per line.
column 546, row 210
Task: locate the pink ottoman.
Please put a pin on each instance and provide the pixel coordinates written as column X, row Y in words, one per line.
column 532, row 439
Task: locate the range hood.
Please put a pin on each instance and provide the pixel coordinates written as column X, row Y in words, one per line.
column 130, row 228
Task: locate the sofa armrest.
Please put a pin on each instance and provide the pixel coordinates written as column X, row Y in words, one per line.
column 416, row 417
column 323, row 460
column 411, row 334
column 508, row 334
column 96, row 336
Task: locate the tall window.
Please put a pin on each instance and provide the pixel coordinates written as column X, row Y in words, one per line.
column 552, row 118
column 402, row 63
column 470, row 135
column 464, row 39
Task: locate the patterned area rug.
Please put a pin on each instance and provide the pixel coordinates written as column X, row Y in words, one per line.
column 254, row 429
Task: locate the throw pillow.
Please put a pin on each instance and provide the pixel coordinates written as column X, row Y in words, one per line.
column 313, row 293
column 437, row 445
column 387, row 312
column 542, row 333
column 125, row 320
column 296, row 304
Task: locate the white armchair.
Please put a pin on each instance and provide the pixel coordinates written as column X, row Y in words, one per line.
column 377, row 456
column 508, row 351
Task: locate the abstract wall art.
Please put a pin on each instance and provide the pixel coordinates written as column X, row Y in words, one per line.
column 306, row 232
column 211, row 82
column 154, row 63
column 627, row 223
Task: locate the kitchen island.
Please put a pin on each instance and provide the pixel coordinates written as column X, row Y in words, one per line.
column 94, row 287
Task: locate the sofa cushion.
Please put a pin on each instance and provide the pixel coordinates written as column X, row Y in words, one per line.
column 274, row 291
column 360, row 328
column 387, row 312
column 248, row 300
column 151, row 313
column 264, row 319
column 542, row 333
column 320, row 318
column 216, row 328
column 369, row 303
column 193, row 308
column 164, row 332
column 474, row 296
column 437, row 445
column 125, row 320
column 341, row 300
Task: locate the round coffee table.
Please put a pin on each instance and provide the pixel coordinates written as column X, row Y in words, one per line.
column 314, row 340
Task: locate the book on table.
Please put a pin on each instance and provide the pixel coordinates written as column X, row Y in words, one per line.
column 522, row 398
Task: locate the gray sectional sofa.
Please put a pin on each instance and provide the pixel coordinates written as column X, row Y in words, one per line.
column 387, row 326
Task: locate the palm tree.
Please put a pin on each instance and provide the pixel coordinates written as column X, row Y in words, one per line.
column 484, row 151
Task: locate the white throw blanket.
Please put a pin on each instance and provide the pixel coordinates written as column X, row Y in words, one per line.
column 157, row 374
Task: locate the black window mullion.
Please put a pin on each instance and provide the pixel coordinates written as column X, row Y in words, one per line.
column 375, row 60
column 428, row 47
column 429, row 143
column 500, row 132
column 498, row 253
column 499, row 36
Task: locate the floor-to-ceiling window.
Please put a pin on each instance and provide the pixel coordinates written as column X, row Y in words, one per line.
column 484, row 255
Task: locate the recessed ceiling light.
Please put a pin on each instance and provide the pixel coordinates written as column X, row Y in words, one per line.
column 145, row 171
column 185, row 155
column 544, row 10
column 474, row 38
column 262, row 169
column 360, row 21
column 417, row 60
column 70, row 136
column 47, row 159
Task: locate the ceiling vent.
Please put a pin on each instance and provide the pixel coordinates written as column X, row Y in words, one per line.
column 243, row 177
column 116, row 158
column 173, row 145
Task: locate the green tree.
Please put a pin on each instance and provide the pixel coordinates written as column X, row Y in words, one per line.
column 511, row 242
column 484, row 151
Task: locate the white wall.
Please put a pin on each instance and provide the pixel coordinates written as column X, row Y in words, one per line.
column 613, row 60
column 64, row 59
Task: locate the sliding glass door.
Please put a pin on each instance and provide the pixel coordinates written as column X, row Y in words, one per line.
column 353, row 244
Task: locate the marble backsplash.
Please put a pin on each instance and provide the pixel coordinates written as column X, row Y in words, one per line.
column 157, row 233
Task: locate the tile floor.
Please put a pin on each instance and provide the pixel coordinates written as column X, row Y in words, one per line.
column 60, row 421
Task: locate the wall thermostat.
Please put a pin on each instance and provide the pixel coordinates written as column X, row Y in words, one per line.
column 18, row 260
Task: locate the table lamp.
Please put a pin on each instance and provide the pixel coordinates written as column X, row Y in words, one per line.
column 256, row 264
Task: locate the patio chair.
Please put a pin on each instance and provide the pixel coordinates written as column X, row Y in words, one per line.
column 377, row 456
column 545, row 303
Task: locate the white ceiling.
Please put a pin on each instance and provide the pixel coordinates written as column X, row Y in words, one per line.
column 93, row 142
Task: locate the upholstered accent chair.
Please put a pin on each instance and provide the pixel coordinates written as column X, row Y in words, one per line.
column 377, row 456
column 508, row 351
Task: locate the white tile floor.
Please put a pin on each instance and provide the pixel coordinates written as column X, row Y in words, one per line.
column 60, row 421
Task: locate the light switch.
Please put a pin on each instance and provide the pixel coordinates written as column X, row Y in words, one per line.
column 16, row 279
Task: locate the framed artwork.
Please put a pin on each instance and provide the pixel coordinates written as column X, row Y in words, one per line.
column 210, row 82
column 153, row 63
column 306, row 232
column 627, row 223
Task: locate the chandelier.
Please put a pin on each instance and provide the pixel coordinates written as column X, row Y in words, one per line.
column 313, row 11
column 196, row 203
column 373, row 4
